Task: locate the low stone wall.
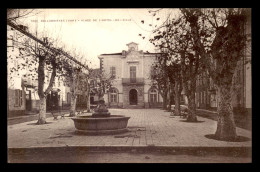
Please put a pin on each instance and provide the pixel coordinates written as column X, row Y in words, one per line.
column 15, row 113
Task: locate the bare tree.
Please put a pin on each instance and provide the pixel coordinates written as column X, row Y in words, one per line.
column 44, row 59
column 170, row 42
column 38, row 59
column 219, row 41
column 77, row 78
column 159, row 80
column 17, row 14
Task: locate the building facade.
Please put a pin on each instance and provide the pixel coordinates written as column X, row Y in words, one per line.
column 205, row 92
column 22, row 94
column 131, row 86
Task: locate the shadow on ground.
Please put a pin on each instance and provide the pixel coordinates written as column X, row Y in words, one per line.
column 238, row 139
column 35, row 123
column 184, row 120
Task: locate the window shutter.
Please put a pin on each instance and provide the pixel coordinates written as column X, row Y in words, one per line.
column 21, row 97
column 16, row 97
column 113, row 71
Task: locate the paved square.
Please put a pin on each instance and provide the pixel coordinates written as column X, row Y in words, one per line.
column 147, row 127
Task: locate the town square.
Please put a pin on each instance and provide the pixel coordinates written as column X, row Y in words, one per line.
column 166, row 85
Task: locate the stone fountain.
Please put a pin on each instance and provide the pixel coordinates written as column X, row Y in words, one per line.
column 101, row 121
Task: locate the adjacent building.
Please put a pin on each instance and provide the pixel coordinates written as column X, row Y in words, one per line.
column 206, row 91
column 22, row 94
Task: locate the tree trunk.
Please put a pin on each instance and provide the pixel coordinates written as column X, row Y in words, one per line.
column 73, row 103
column 169, row 103
column 73, row 89
column 41, row 77
column 177, row 100
column 226, row 128
column 42, row 112
column 165, row 101
column 192, row 117
column 88, row 98
column 171, row 97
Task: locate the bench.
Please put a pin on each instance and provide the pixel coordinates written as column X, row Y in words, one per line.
column 183, row 108
column 93, row 106
column 81, row 111
column 57, row 113
column 184, row 111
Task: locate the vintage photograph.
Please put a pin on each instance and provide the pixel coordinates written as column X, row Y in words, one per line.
column 112, row 85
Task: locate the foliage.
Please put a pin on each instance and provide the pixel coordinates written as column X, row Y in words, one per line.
column 16, row 14
column 220, row 55
column 219, row 39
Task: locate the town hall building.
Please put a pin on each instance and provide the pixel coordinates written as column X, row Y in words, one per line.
column 131, row 86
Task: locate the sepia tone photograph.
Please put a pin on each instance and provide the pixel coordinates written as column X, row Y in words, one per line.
column 112, row 85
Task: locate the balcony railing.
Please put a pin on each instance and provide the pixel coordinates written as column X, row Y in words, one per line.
column 132, row 80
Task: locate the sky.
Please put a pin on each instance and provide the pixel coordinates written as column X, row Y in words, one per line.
column 96, row 31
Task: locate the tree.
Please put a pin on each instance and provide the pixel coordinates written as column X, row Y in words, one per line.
column 38, row 60
column 219, row 41
column 16, row 14
column 182, row 44
column 179, row 43
column 171, row 100
column 77, row 78
column 175, row 78
column 104, row 83
column 159, row 80
column 87, row 93
column 169, row 40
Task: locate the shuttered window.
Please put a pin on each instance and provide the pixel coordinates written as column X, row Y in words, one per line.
column 113, row 96
column 132, row 74
column 18, row 95
column 21, row 97
column 113, row 71
column 153, row 96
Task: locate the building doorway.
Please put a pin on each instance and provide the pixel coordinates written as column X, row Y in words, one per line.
column 28, row 100
column 52, row 102
column 133, row 97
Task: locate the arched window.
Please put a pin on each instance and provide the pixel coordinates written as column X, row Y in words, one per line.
column 153, row 95
column 113, row 95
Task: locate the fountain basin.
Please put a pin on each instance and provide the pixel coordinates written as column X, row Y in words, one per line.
column 101, row 125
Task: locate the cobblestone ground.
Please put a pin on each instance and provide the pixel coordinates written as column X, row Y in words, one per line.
column 147, row 127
